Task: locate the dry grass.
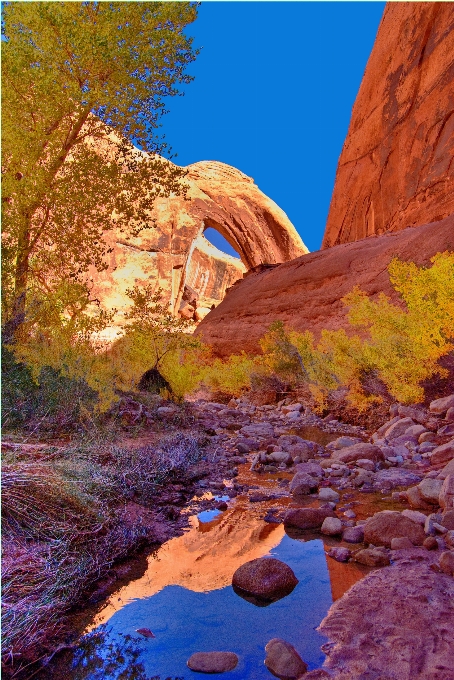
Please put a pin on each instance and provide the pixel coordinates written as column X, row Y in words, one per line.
column 62, row 530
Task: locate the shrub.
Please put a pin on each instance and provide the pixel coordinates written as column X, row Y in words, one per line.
column 399, row 345
column 232, row 376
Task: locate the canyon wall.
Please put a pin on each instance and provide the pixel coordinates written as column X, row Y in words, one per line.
column 397, row 165
column 306, row 293
column 174, row 255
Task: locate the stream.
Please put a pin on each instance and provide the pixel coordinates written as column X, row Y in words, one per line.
column 186, row 602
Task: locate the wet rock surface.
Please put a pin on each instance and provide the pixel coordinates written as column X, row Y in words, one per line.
column 283, row 660
column 265, row 578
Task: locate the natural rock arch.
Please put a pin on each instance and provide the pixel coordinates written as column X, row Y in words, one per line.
column 174, row 253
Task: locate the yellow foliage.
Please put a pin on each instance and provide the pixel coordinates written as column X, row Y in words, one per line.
column 401, row 345
column 233, row 375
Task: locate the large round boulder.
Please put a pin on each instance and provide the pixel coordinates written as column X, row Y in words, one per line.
column 350, row 454
column 266, row 579
column 386, row 525
column 283, row 661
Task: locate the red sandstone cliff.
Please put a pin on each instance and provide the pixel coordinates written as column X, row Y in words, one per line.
column 306, row 292
column 397, row 165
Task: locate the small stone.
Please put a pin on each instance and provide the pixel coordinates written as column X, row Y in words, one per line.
column 430, row 543
column 328, row 494
column 353, row 534
column 332, row 526
column 339, row 554
column 212, row 662
column 350, row 514
column 283, row 660
column 372, row 557
column 401, row 543
column 446, row 561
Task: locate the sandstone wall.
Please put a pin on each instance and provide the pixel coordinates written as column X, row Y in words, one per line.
column 397, row 164
column 306, row 292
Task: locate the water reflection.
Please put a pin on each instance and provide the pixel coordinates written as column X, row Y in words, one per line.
column 186, row 599
column 185, row 621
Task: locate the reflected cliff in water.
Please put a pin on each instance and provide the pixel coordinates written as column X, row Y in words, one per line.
column 185, row 598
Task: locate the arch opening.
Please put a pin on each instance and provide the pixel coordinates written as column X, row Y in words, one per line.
column 217, row 240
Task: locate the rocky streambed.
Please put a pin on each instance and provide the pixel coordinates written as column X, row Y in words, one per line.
column 311, row 546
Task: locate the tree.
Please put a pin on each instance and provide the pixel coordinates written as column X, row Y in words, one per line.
column 81, row 82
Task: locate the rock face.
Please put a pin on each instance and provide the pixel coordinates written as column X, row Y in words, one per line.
column 395, row 169
column 306, row 292
column 396, row 623
column 174, row 255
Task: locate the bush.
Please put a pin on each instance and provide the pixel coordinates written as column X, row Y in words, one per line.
column 232, row 376
column 50, row 403
column 399, row 346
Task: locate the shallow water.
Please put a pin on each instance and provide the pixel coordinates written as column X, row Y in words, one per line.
column 186, row 599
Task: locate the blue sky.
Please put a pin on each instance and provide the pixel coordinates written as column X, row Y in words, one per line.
column 274, row 87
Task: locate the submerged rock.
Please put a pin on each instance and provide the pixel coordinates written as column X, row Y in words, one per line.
column 283, row 661
column 212, row 662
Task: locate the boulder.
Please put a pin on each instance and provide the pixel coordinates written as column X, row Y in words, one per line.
column 401, row 543
column 353, row 534
column 372, row 557
column 350, row 454
column 259, row 430
column 430, row 490
column 283, row 661
column 447, row 562
column 339, row 554
column 332, row 526
column 307, row 518
column 399, row 428
column 313, row 469
column 265, row 578
column 212, row 662
column 415, row 516
column 442, row 454
column 448, row 519
column 446, row 430
column 440, row 406
column 387, row 524
column 395, row 477
column 303, row 484
column 416, row 501
column 446, row 496
column 328, row 495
